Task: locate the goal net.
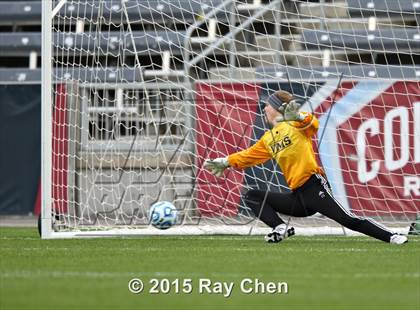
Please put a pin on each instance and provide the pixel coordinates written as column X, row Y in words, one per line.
column 138, row 93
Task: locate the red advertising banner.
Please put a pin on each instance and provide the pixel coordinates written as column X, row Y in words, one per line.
column 370, row 149
column 60, row 128
column 379, row 151
column 225, row 118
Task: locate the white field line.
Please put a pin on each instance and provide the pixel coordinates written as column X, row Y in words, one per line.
column 205, row 230
column 224, row 237
column 27, row 274
column 269, row 248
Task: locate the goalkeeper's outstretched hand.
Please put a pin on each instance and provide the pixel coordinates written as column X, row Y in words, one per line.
column 289, row 112
column 216, row 166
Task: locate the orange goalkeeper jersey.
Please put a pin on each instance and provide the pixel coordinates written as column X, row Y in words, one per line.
column 290, row 144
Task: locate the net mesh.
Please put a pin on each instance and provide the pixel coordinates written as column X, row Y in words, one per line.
column 145, row 91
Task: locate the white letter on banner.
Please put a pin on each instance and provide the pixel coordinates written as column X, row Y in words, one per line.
column 417, row 132
column 411, row 185
column 402, row 114
column 362, row 173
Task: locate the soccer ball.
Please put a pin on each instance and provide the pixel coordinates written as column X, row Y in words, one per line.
column 162, row 214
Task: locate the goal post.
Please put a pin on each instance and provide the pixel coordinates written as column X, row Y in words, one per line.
column 136, row 94
column 46, row 121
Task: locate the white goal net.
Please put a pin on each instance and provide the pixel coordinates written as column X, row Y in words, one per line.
column 137, row 94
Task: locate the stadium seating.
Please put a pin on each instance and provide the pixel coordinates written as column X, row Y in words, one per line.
column 348, row 71
column 97, row 75
column 303, row 41
column 384, row 40
column 18, row 43
column 382, row 7
column 264, row 72
column 184, row 11
column 20, row 12
column 21, row 43
column 19, row 75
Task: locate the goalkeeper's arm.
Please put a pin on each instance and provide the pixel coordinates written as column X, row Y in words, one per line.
column 254, row 155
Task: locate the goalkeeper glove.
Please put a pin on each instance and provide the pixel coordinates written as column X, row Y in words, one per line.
column 289, row 112
column 216, row 166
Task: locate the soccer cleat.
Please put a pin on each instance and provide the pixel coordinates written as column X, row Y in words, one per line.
column 279, row 233
column 398, row 239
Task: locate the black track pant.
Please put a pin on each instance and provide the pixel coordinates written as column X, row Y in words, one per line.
column 314, row 196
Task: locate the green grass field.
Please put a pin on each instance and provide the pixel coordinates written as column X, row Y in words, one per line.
column 320, row 272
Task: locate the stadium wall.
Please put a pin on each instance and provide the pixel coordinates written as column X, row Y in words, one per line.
column 20, row 140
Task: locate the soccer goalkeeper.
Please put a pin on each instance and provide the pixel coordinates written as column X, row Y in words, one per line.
column 289, row 143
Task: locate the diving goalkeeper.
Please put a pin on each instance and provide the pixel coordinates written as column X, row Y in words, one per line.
column 289, row 143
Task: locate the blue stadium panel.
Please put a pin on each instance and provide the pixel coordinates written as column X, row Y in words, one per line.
column 19, row 43
column 110, row 75
column 181, row 11
column 383, row 7
column 383, row 40
column 349, row 72
column 171, row 10
column 20, row 75
column 113, row 43
column 102, row 43
column 21, row 12
column 151, row 42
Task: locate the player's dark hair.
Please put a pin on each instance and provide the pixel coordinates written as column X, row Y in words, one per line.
column 284, row 96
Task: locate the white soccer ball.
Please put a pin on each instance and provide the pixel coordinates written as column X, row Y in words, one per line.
column 162, row 214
